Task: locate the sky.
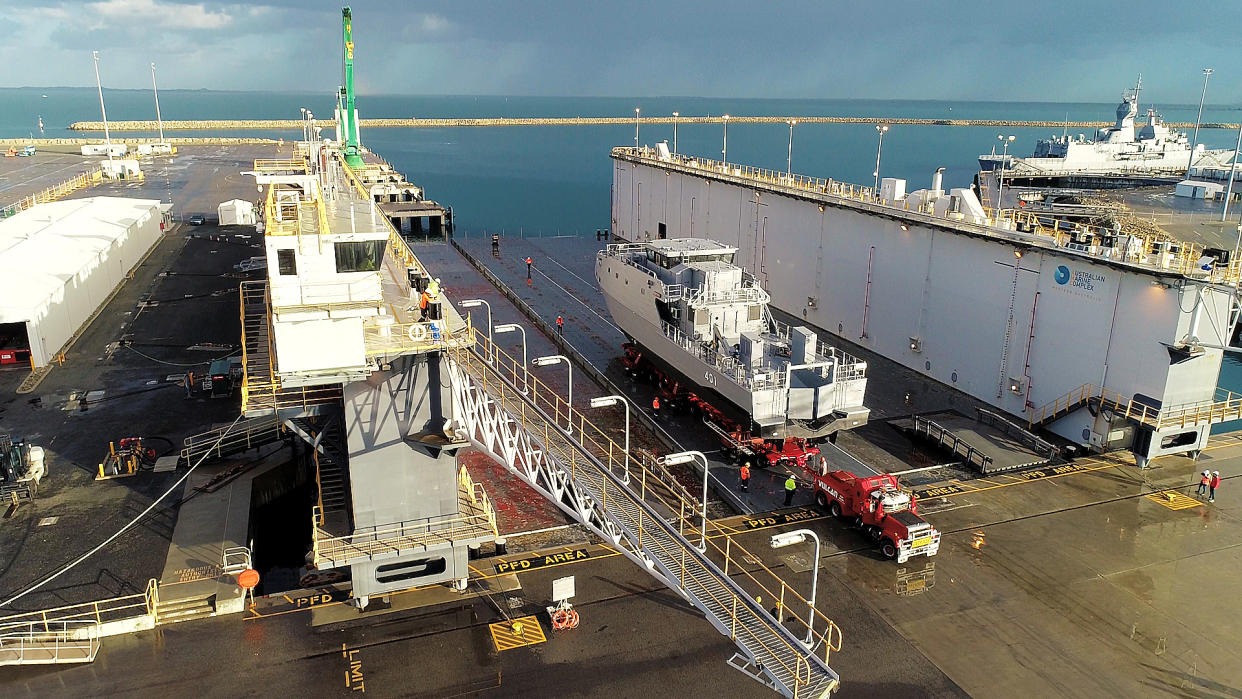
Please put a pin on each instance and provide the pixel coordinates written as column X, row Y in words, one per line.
column 1054, row 50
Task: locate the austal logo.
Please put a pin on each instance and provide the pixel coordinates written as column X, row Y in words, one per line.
column 1077, row 279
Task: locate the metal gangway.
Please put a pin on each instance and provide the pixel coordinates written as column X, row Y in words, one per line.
column 248, row 433
column 530, row 429
column 45, row 643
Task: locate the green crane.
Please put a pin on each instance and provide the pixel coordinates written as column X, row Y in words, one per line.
column 345, row 95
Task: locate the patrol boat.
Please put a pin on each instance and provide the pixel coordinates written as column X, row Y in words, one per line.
column 687, row 308
column 1115, row 150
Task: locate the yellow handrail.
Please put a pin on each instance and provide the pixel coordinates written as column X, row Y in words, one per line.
column 747, row 567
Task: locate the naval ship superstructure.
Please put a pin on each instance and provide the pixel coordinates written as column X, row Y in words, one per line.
column 693, row 310
column 1119, row 149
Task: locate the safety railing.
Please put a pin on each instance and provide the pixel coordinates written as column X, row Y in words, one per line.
column 956, row 445
column 1037, row 445
column 95, row 612
column 1148, row 251
column 475, row 519
column 53, row 193
column 738, row 563
column 55, row 642
column 1224, row 406
column 745, row 294
column 400, row 338
column 275, row 165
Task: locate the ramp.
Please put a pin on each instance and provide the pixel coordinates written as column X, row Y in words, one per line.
column 556, row 450
column 989, row 444
column 47, row 643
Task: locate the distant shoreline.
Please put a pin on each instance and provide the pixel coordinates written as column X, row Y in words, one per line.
column 296, row 124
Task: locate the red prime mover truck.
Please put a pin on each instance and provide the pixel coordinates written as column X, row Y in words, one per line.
column 887, row 514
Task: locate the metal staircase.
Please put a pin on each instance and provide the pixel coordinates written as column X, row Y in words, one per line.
column 1225, row 406
column 557, row 451
column 327, row 441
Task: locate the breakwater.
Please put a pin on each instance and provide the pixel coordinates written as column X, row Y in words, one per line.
column 296, row 124
column 195, row 141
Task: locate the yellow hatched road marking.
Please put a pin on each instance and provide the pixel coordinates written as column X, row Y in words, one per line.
column 1173, row 500
column 524, row 631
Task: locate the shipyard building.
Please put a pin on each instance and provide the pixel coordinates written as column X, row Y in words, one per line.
column 1107, row 339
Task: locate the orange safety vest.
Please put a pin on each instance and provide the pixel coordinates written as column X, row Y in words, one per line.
column 745, row 473
column 655, row 403
column 423, row 301
column 560, row 320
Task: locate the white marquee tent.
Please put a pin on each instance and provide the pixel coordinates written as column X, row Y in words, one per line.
column 236, row 212
column 63, row 259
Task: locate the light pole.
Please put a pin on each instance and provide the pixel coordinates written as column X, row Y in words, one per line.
column 606, row 401
column 796, row 537
column 305, row 124
column 475, row 303
column 1233, row 171
column 158, row 119
column 636, row 112
column 675, row 115
column 883, row 129
column 724, row 152
column 508, row 328
column 1207, row 73
column 789, row 159
column 569, row 401
column 683, row 457
column 1000, row 180
column 102, row 111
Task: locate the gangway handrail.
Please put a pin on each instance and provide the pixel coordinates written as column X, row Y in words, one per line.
column 96, row 611
column 81, row 636
column 595, row 442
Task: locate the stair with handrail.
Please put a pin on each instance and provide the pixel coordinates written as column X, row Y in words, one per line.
column 1223, row 407
column 556, row 450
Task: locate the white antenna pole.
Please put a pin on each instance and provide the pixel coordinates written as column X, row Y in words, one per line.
column 103, row 112
column 158, row 119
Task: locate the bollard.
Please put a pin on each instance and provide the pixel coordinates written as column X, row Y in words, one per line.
column 502, row 546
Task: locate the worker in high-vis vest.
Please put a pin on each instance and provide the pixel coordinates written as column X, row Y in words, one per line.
column 791, row 485
column 655, row 406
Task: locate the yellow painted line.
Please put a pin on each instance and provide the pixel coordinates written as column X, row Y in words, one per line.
column 517, row 633
column 1173, row 500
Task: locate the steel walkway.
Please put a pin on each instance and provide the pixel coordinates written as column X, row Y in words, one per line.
column 1224, row 407
column 221, row 441
column 572, row 462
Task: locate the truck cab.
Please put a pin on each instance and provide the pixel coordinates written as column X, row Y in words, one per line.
column 885, row 512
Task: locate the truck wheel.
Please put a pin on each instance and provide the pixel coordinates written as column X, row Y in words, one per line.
column 834, row 508
column 888, row 549
column 822, row 500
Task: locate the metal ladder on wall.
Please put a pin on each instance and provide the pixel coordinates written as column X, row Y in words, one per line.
column 578, row 468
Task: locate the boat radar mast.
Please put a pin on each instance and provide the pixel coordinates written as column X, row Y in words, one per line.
column 346, row 112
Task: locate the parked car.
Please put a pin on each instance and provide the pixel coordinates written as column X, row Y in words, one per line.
column 198, row 220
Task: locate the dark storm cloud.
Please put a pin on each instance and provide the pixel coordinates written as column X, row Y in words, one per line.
column 963, row 50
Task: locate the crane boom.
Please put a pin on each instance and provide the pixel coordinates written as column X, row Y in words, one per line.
column 347, row 111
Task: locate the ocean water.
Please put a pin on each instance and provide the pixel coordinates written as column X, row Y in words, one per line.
column 556, row 180
column 548, row 180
